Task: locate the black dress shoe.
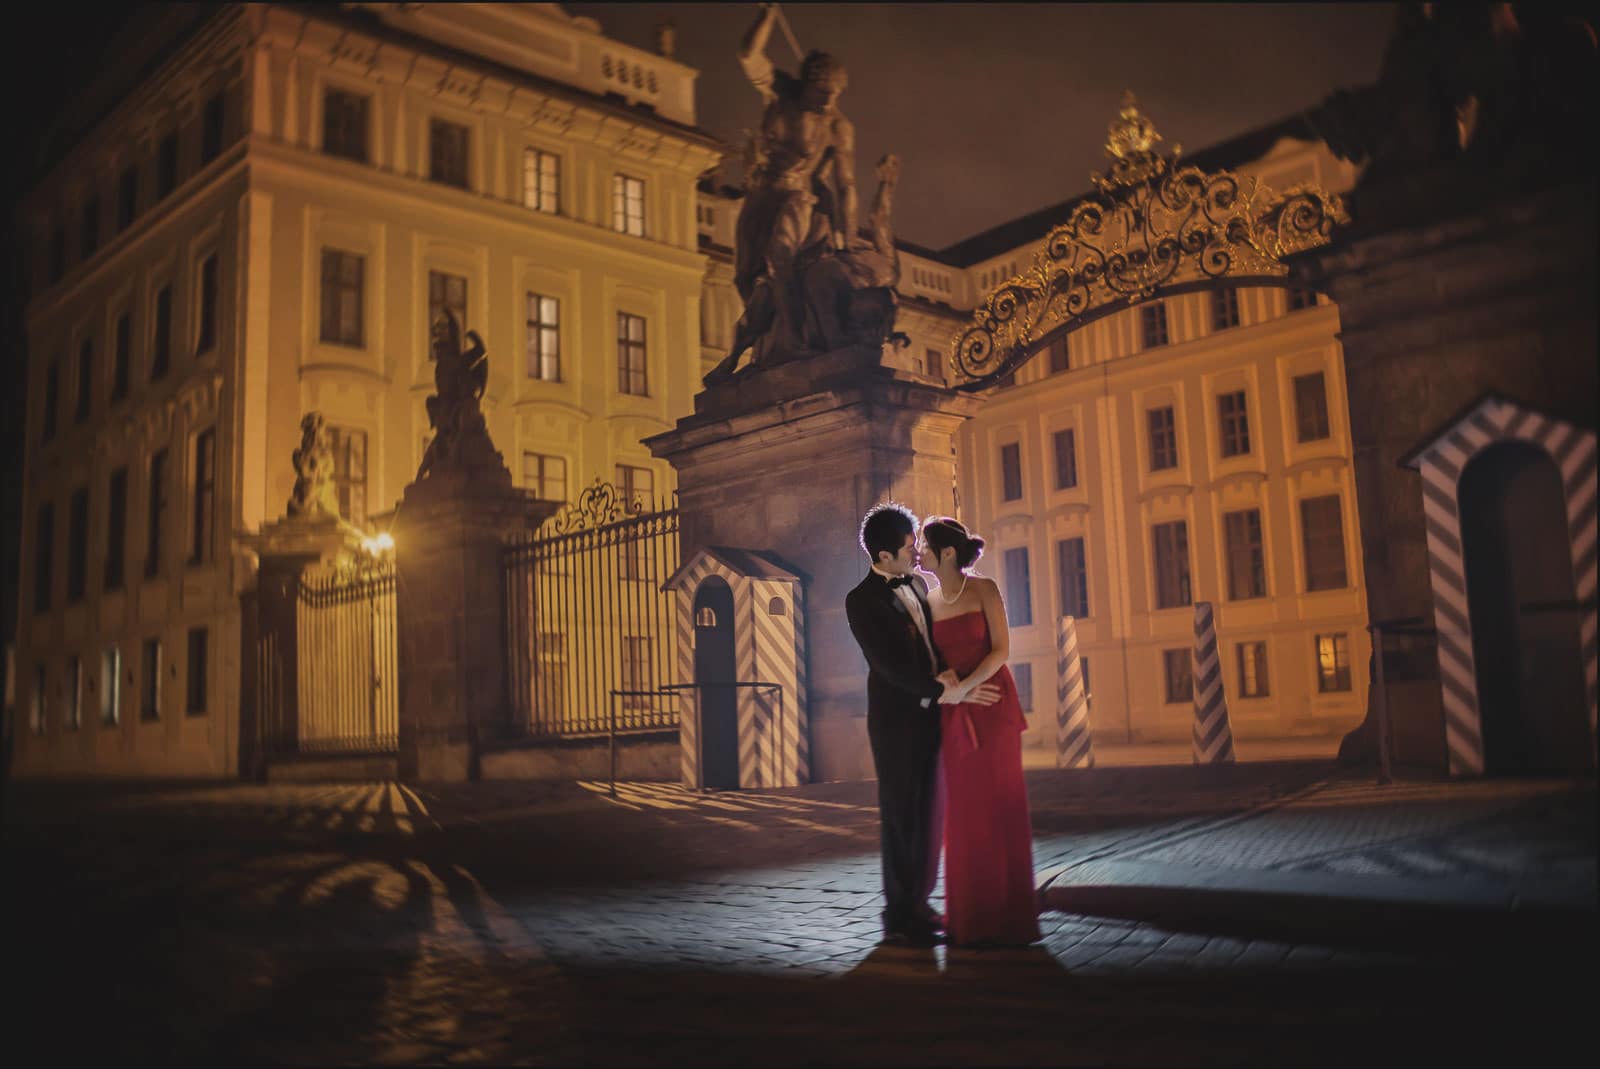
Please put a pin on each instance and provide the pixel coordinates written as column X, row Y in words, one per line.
column 912, row 937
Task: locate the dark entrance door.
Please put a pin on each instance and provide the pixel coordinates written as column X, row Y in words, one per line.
column 713, row 672
column 1525, row 638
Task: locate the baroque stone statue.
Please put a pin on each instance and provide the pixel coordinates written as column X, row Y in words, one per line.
column 810, row 283
column 314, row 495
column 461, row 441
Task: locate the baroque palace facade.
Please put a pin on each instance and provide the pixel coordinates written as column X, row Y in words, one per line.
column 266, row 224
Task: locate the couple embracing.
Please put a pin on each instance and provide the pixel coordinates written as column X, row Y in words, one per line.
column 945, row 726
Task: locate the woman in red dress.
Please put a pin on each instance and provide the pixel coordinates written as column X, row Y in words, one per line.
column 988, row 839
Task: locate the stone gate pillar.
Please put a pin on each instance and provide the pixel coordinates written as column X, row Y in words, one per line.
column 788, row 458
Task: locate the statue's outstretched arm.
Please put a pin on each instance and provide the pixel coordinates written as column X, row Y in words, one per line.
column 753, row 51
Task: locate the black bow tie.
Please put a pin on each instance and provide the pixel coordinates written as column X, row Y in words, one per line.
column 899, row 580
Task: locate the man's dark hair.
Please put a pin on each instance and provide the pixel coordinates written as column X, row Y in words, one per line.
column 884, row 529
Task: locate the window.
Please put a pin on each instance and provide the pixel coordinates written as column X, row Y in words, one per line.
column 1066, row 450
column 211, row 129
column 446, row 293
column 1022, row 675
column 116, row 527
column 89, row 232
column 121, row 356
column 127, row 197
column 631, row 377
column 74, row 717
column 1058, row 356
column 1172, row 564
column 344, row 125
column 1333, row 663
column 1072, row 578
column 1233, row 420
column 85, row 379
column 627, row 205
column 543, row 345
column 157, row 507
column 637, row 486
column 1311, row 407
column 161, row 345
column 1163, row 439
column 1301, row 297
column 349, row 448
column 44, row 550
column 58, row 253
column 36, row 701
column 166, row 165
column 207, row 332
column 447, row 152
column 1178, row 670
column 1011, row 472
column 111, row 685
column 52, row 397
column 933, row 364
column 1247, row 569
column 1019, row 591
column 150, row 681
column 1088, row 691
column 1322, row 529
column 541, row 181
column 1153, row 324
column 205, row 495
column 636, row 674
column 343, row 285
column 77, row 544
column 195, row 702
column 545, row 475
column 1224, row 308
column 1253, row 670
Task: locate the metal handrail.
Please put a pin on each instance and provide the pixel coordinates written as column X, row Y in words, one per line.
column 699, row 724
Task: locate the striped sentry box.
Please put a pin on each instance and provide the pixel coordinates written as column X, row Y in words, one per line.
column 1213, row 737
column 1441, row 461
column 1074, row 746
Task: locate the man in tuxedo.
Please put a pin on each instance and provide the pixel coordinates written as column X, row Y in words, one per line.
column 906, row 683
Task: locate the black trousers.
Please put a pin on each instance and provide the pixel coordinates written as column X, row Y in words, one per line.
column 905, row 751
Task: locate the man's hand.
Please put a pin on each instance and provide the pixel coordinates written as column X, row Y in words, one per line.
column 948, row 678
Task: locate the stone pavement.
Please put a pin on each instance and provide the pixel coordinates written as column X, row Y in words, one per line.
column 553, row 923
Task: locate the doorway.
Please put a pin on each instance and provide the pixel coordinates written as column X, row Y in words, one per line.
column 1526, row 644
column 714, row 675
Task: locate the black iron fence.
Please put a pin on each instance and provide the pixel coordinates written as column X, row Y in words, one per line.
column 586, row 616
column 347, row 688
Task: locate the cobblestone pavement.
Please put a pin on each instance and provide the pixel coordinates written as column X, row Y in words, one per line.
column 553, row 923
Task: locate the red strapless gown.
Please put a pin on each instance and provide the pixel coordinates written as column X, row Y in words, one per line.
column 988, row 839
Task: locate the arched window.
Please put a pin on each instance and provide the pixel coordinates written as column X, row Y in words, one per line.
column 705, row 617
column 775, row 607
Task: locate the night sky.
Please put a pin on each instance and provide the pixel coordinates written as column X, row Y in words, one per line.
column 995, row 109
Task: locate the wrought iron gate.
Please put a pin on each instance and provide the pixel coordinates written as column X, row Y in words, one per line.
column 348, row 697
column 586, row 615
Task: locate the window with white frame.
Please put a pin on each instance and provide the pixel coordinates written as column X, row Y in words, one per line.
column 1333, row 663
column 1153, row 324
column 637, row 487
column 1171, row 542
column 111, row 685
column 632, row 376
column 1253, row 670
column 1247, row 569
column 1065, row 445
column 1163, row 438
column 543, row 344
column 343, row 290
column 541, row 181
column 349, row 448
column 627, row 205
column 1233, row 422
column 545, row 475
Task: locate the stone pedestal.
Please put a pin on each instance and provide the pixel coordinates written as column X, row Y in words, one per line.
column 270, row 711
column 1448, row 287
column 450, row 591
column 788, row 459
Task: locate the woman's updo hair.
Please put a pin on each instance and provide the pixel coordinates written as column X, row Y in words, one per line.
column 943, row 532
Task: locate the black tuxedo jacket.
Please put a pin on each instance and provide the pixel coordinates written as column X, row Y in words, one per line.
column 899, row 672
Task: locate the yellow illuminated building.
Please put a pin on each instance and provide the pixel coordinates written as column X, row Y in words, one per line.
column 264, row 226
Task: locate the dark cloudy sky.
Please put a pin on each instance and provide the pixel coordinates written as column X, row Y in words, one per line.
column 1000, row 109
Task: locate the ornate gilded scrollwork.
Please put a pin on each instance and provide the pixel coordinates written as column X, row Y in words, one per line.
column 599, row 504
column 1149, row 226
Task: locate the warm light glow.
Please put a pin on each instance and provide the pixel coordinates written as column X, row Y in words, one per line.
column 382, row 543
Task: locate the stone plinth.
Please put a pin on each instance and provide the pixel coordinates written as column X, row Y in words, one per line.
column 286, row 549
column 450, row 606
column 1448, row 287
column 787, row 459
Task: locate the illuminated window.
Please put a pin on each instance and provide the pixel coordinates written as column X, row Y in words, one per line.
column 111, row 685
column 705, row 617
column 1233, row 421
column 1333, row 663
column 1163, row 439
column 1253, row 670
column 447, row 152
column 627, row 205
column 343, row 293
column 1247, row 569
column 1178, row 671
column 542, row 346
column 541, row 181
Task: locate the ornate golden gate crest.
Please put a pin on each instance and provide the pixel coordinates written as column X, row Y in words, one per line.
column 1150, row 227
